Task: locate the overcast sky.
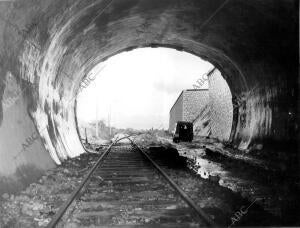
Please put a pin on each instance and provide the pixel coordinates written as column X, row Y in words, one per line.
column 139, row 87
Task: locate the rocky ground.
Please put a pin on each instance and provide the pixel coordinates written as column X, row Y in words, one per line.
column 267, row 182
column 36, row 205
column 219, row 202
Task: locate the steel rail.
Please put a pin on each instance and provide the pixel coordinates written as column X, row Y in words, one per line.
column 75, row 193
column 201, row 214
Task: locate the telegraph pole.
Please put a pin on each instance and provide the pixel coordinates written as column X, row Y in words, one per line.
column 109, row 119
column 97, row 130
column 86, row 140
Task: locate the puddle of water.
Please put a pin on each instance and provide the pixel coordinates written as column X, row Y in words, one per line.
column 265, row 189
column 247, row 187
column 207, row 168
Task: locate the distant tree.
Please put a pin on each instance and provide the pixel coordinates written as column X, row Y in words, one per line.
column 101, row 124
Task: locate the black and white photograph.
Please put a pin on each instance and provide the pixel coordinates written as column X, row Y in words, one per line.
column 149, row 113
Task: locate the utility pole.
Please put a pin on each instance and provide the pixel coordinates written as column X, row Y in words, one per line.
column 109, row 119
column 86, row 140
column 97, row 110
column 97, row 130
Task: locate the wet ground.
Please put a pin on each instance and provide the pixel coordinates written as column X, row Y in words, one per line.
column 276, row 190
column 225, row 206
column 227, row 191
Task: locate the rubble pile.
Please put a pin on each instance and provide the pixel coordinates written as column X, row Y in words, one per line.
column 147, row 139
column 35, row 206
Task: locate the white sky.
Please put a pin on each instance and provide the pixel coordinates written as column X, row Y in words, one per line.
column 139, row 87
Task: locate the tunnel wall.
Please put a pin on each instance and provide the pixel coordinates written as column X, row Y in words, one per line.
column 49, row 46
column 23, row 156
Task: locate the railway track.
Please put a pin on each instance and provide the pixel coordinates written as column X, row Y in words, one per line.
column 126, row 188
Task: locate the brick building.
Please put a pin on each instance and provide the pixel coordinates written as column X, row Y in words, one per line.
column 202, row 122
column 221, row 109
column 188, row 106
column 210, row 110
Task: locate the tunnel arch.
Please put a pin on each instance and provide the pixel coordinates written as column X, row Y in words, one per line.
column 217, row 79
column 63, row 41
column 229, row 69
column 233, row 73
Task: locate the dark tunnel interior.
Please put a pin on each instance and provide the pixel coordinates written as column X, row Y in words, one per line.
column 48, row 47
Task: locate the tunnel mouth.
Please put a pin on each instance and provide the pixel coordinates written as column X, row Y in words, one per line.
column 78, row 41
column 217, row 82
column 55, row 112
column 49, row 47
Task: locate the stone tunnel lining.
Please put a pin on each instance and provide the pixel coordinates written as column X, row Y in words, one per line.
column 65, row 41
column 55, row 111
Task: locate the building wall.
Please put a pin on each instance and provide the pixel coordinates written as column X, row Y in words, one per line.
column 202, row 123
column 210, row 110
column 188, row 106
column 193, row 102
column 176, row 112
column 221, row 109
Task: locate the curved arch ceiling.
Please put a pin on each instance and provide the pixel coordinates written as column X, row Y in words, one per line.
column 49, row 46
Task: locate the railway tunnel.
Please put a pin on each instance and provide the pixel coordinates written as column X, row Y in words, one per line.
column 48, row 47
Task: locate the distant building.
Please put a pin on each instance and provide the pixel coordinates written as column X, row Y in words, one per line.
column 220, row 104
column 202, row 122
column 210, row 110
column 188, row 106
